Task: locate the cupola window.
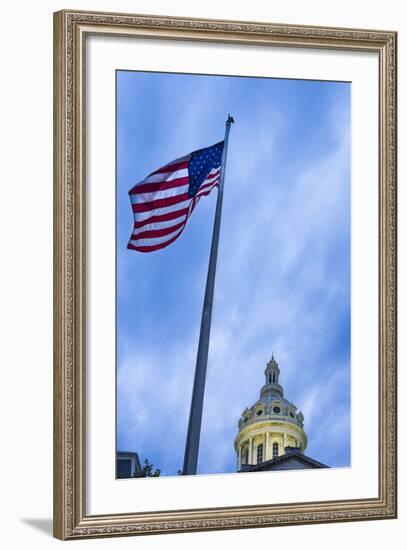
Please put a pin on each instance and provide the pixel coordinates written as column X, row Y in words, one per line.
column 259, row 453
column 275, row 449
column 245, row 456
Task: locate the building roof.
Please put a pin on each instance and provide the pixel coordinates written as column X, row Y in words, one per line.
column 132, row 455
column 293, row 457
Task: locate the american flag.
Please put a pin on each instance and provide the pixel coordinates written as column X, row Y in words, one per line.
column 165, row 199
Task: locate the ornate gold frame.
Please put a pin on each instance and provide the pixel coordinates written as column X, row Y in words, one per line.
column 70, row 518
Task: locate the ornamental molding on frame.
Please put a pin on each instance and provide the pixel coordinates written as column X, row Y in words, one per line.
column 233, row 523
column 381, row 38
column 180, row 23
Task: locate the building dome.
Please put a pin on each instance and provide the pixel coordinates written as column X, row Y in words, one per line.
column 272, row 426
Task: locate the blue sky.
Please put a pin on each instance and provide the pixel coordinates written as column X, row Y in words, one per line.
column 283, row 277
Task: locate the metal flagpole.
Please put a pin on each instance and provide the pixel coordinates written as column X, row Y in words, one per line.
column 195, row 415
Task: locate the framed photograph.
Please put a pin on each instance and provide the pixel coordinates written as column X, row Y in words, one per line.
column 224, row 274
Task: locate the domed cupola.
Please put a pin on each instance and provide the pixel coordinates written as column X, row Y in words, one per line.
column 272, row 426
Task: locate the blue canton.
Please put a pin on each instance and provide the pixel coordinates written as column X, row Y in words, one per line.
column 201, row 163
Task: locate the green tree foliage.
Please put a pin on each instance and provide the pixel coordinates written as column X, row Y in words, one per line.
column 148, row 469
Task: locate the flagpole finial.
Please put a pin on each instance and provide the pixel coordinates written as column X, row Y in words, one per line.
column 230, row 120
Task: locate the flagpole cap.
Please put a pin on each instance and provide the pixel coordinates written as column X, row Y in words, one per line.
column 230, row 120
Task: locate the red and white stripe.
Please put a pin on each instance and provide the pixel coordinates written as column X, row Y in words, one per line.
column 161, row 205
